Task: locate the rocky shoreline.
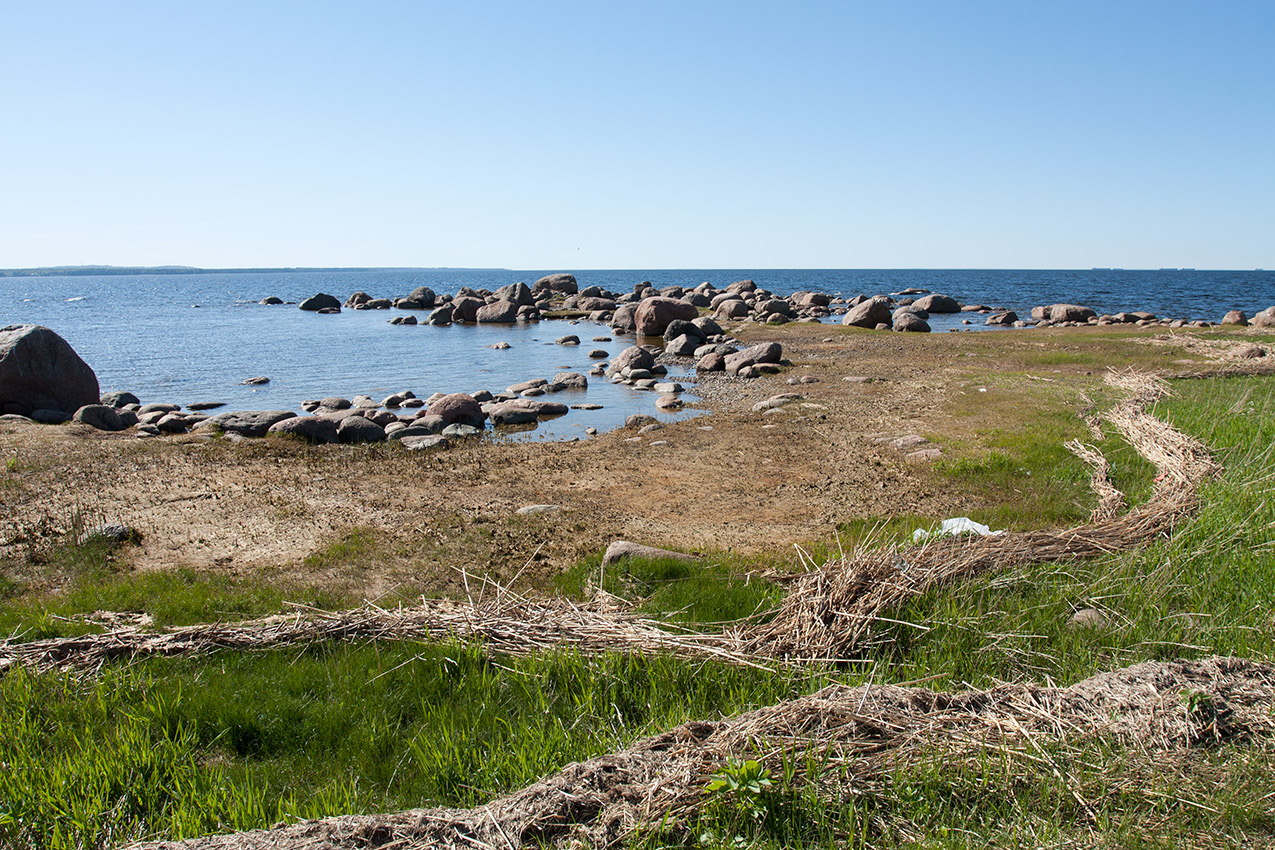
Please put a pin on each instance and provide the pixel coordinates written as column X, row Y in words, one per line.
column 42, row 378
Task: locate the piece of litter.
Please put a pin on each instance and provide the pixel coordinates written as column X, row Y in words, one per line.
column 956, row 525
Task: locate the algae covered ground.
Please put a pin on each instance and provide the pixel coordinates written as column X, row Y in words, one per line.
column 168, row 748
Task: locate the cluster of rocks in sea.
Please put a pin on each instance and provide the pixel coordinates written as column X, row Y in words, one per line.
column 56, row 386
column 647, row 310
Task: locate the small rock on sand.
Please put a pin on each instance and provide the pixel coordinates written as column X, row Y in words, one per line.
column 527, row 510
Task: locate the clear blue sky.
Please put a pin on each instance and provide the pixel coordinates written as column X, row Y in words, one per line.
column 638, row 135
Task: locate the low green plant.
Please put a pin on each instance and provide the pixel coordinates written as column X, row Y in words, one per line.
column 741, row 802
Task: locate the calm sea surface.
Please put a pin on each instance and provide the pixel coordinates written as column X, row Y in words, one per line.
column 194, row 337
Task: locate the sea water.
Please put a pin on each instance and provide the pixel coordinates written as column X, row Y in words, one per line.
column 187, row 338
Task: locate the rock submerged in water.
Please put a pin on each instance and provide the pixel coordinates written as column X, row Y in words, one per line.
column 40, row 371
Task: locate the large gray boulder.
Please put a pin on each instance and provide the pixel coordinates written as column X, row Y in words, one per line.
column 593, row 302
column 906, row 321
column 465, row 308
column 571, row 381
column 322, row 301
column 459, row 407
column 732, row 308
column 1068, row 313
column 633, row 357
column 869, row 313
column 248, row 423
column 1004, row 317
column 422, row 295
column 518, row 293
column 654, row 314
column 359, row 429
column 1264, row 319
column 563, row 284
column 103, row 417
column 119, row 398
column 624, row 317
column 498, row 312
column 441, row 315
column 312, row 429
column 517, row 412
column 937, row 304
column 40, row 370
column 765, row 352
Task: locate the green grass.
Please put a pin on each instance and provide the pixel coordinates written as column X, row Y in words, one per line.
column 175, row 598
column 715, row 589
column 175, row 747
column 352, row 547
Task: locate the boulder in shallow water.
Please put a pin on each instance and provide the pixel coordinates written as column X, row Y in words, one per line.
column 1005, row 318
column 654, row 314
column 459, row 407
column 937, row 304
column 633, row 357
column 869, row 313
column 40, row 370
column 562, row 284
column 119, row 398
column 322, row 301
column 1058, row 313
column 422, row 298
column 497, row 312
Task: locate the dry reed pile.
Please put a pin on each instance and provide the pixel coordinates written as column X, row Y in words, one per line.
column 857, row 735
column 505, row 622
column 837, row 611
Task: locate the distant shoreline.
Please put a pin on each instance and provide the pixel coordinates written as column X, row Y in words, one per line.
column 96, row 271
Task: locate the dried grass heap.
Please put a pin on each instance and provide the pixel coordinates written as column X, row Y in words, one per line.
column 505, row 622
